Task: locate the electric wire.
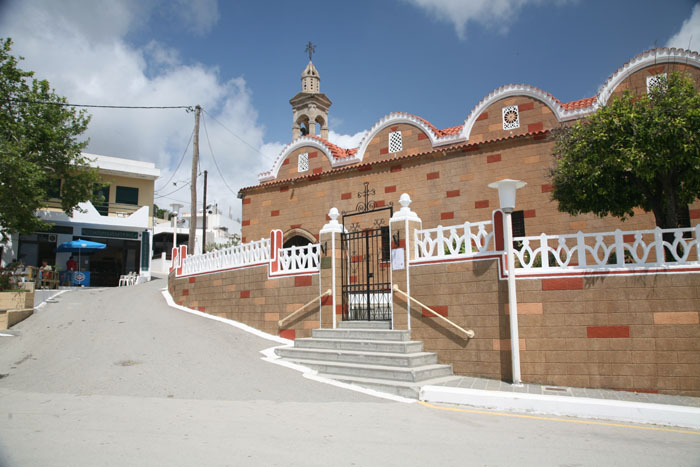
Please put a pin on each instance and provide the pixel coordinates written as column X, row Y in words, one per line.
column 189, row 108
column 179, row 163
column 206, row 133
column 238, row 137
column 174, row 191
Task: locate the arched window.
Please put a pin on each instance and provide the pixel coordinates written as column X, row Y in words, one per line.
column 298, row 237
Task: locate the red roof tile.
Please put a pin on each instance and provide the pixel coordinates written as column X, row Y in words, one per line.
column 579, row 104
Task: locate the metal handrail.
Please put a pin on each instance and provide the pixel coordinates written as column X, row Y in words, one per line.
column 467, row 332
column 281, row 322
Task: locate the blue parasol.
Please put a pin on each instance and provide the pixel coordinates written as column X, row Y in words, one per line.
column 81, row 247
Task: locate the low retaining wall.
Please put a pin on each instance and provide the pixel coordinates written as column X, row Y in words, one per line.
column 638, row 332
column 248, row 296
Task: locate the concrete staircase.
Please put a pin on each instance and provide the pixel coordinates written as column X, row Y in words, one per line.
column 369, row 354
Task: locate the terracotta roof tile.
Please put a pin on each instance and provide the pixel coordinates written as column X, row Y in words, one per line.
column 579, row 104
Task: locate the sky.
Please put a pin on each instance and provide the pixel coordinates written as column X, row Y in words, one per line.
column 242, row 62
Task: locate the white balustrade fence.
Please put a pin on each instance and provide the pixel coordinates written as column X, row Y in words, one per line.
column 299, row 259
column 456, row 241
column 240, row 255
column 607, row 250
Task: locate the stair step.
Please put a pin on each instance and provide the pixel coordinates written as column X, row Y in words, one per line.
column 360, row 345
column 384, row 372
column 364, row 324
column 362, row 334
column 404, row 360
column 400, row 388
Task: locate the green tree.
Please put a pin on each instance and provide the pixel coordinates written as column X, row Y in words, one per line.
column 39, row 148
column 636, row 151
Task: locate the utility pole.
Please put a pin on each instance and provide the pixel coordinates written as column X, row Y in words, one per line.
column 193, row 184
column 204, row 216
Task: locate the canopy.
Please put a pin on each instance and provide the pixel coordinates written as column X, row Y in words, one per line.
column 80, row 246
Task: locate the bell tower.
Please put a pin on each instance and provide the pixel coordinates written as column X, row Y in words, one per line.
column 310, row 106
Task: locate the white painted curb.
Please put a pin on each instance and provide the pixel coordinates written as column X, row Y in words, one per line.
column 584, row 407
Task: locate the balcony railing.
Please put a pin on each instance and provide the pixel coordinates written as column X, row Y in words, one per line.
column 105, row 209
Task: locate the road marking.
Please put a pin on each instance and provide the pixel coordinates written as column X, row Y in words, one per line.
column 554, row 419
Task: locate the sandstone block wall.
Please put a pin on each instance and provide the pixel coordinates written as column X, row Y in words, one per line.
column 248, row 296
column 631, row 333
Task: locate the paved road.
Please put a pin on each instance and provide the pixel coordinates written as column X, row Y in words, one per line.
column 116, row 377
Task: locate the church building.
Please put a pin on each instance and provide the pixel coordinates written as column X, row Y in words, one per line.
column 445, row 171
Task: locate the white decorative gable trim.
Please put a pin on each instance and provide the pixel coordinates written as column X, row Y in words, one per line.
column 395, row 118
column 304, row 141
column 508, row 91
column 643, row 60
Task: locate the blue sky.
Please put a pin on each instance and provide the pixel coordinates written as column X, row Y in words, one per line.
column 242, row 62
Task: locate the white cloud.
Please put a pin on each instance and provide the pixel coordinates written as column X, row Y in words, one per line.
column 81, row 48
column 689, row 32
column 497, row 14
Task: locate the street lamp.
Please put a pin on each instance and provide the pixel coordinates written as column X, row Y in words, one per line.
column 506, row 195
column 176, row 209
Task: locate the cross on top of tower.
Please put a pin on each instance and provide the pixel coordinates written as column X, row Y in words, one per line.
column 310, row 49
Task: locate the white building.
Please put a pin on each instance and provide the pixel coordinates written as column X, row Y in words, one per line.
column 123, row 222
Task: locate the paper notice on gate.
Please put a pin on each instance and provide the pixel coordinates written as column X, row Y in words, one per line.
column 397, row 259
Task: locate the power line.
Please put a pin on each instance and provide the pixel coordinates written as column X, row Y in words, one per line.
column 178, row 164
column 206, row 133
column 174, row 191
column 189, row 108
column 238, row 137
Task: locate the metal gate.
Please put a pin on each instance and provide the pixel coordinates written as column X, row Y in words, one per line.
column 366, row 272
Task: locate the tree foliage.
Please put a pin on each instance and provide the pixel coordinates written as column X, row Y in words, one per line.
column 39, row 148
column 636, row 151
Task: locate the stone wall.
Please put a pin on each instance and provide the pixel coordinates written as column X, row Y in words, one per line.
column 638, row 332
column 247, row 295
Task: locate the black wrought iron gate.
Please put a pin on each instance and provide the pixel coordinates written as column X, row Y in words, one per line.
column 366, row 271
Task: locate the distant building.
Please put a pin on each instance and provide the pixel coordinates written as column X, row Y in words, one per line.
column 122, row 222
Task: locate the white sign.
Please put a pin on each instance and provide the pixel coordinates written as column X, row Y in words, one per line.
column 397, row 259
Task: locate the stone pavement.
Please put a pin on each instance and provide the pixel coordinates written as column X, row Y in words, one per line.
column 469, row 382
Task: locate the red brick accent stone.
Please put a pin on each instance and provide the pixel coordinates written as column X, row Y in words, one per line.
column 364, row 168
column 483, row 116
column 313, row 154
column 563, row 283
column 526, row 107
column 395, row 168
column 295, row 226
column 390, row 189
column 379, row 204
column 284, row 188
column 607, row 331
column 433, row 175
column 275, row 213
column 529, row 213
column 493, row 158
column 327, row 301
column 186, row 292
column 191, row 280
column 243, row 239
column 547, row 188
column 441, row 310
column 303, row 281
column 628, row 238
column 318, row 170
column 245, row 222
column 394, row 128
column 695, row 213
column 422, row 136
column 314, row 178
column 447, row 215
column 484, row 203
column 247, row 200
column 201, row 308
column 471, row 147
column 384, row 150
column 286, row 161
column 245, row 294
column 288, row 334
column 533, row 127
column 452, row 193
column 346, row 196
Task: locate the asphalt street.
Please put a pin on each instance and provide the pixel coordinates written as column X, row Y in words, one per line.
column 116, row 377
